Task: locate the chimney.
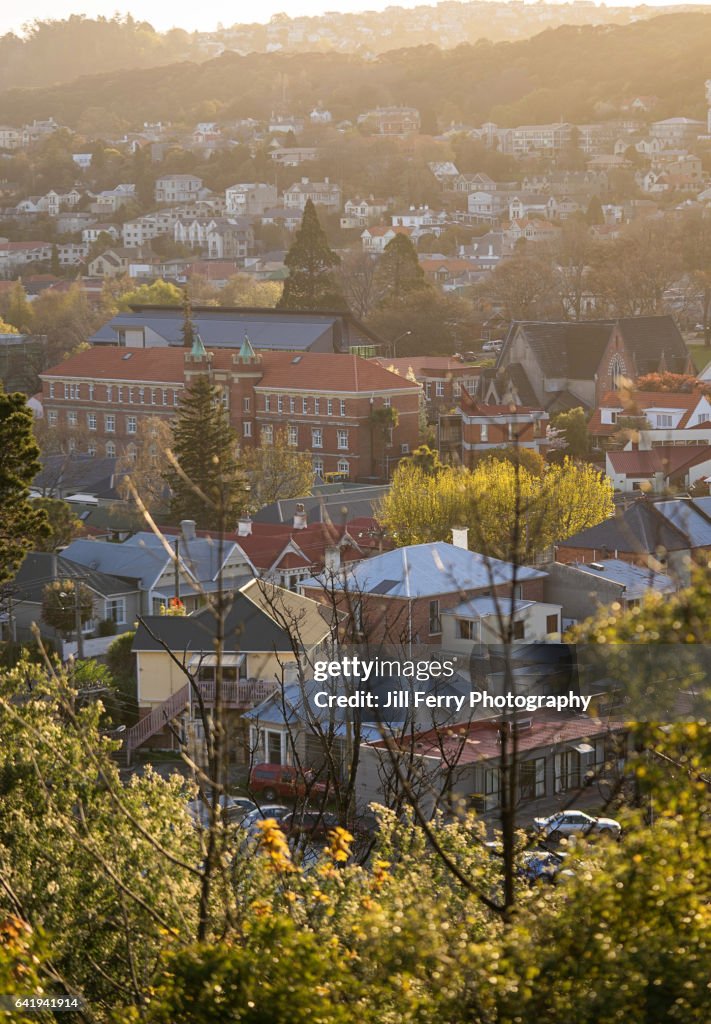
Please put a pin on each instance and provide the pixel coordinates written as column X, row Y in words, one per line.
column 460, row 537
column 300, row 522
column 187, row 529
column 244, row 526
column 332, row 558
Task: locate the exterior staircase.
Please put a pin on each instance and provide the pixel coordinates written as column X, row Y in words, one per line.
column 235, row 695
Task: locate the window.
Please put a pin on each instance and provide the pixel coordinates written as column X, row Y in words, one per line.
column 519, row 630
column 532, row 779
column 273, row 747
column 428, row 390
column 664, row 420
column 131, row 453
column 109, row 424
column 175, row 396
column 51, row 389
column 141, row 395
column 154, row 392
column 52, row 418
column 246, row 404
column 404, row 448
column 387, row 402
column 92, row 388
column 551, row 623
column 267, row 403
column 329, row 407
column 343, row 466
column 435, row 621
column 280, row 404
column 292, row 404
column 267, row 434
column 617, row 371
column 119, row 394
column 91, row 420
column 439, row 389
column 110, row 450
column 130, row 395
column 71, row 444
column 109, row 392
column 304, row 406
column 343, row 440
column 72, row 419
column 317, row 438
column 703, row 417
column 343, row 407
column 247, row 428
column 165, row 396
column 457, row 389
column 318, row 467
column 91, row 448
column 317, row 406
column 131, row 424
column 293, row 436
column 484, row 432
column 467, row 629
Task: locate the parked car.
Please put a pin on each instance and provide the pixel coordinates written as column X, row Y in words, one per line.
column 286, row 780
column 575, row 823
column 492, row 346
column 233, row 809
column 315, row 824
column 543, row 865
column 469, row 357
column 277, row 811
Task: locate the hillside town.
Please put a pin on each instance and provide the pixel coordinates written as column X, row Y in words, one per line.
column 355, row 530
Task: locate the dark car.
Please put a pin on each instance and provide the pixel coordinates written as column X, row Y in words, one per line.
column 285, row 780
column 542, row 865
column 315, row 824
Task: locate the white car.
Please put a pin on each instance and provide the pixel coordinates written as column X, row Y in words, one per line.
column 492, row 346
column 576, row 823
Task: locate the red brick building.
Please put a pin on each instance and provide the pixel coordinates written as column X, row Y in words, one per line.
column 325, row 402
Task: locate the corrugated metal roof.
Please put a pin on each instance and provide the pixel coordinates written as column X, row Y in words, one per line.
column 636, row 580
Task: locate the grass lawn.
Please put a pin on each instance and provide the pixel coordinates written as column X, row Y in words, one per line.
column 700, row 354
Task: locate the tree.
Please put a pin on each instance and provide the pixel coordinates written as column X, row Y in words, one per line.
column 7, row 328
column 159, row 293
column 399, row 272
column 429, row 322
column 573, row 425
column 511, row 513
column 357, row 277
column 427, row 459
column 64, row 526
column 311, row 283
column 207, row 484
column 22, row 524
column 524, row 285
column 594, row 213
column 696, row 253
column 143, row 468
column 59, row 605
column 16, row 310
column 276, row 471
column 383, row 421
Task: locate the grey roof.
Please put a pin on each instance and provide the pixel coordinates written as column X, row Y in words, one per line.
column 144, row 557
column 40, row 568
column 692, row 517
column 574, row 350
column 635, row 579
column 247, row 628
column 329, row 504
column 640, row 528
column 85, row 474
column 485, row 607
column 424, row 570
column 272, row 329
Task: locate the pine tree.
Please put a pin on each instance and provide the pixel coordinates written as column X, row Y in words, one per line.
column 311, row 283
column 399, row 272
column 21, row 524
column 205, row 446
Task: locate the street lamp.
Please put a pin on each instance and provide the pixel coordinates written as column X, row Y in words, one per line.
column 394, row 343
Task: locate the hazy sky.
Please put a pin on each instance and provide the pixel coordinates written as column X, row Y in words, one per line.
column 187, row 14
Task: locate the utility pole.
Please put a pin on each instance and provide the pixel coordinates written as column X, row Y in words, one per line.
column 77, row 621
column 177, row 572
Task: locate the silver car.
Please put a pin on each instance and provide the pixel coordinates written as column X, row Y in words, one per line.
column 575, row 823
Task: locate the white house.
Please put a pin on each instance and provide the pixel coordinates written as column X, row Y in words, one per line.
column 177, row 188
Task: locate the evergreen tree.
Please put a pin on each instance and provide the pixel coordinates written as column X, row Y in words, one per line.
column 205, row 447
column 595, row 214
column 311, row 283
column 399, row 272
column 21, row 524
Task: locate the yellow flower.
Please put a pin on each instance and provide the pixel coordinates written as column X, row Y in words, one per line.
column 339, row 845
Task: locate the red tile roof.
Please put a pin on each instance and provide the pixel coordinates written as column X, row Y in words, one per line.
column 108, row 362
column 325, row 371
column 479, row 741
column 668, row 460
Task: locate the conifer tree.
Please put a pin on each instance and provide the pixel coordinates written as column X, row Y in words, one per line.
column 399, row 272
column 205, row 447
column 311, row 283
column 21, row 524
